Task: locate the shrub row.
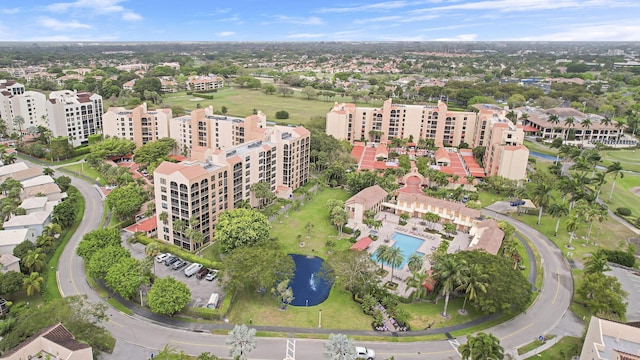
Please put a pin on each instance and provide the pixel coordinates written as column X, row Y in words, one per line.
column 621, row 257
column 205, row 96
column 165, row 247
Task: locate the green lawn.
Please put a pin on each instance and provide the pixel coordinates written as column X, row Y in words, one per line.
column 290, row 231
column 622, row 195
column 540, row 147
column 564, row 349
column 85, row 170
column 424, row 314
column 630, row 159
column 242, row 102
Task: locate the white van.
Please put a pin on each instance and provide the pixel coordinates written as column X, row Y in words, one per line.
column 192, row 269
column 213, row 301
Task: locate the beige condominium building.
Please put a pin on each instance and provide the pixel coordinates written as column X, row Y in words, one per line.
column 505, row 155
column 560, row 122
column 214, row 180
column 204, row 83
column 15, row 101
column 221, row 132
column 139, row 125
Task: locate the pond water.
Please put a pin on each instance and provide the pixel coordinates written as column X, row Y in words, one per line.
column 309, row 289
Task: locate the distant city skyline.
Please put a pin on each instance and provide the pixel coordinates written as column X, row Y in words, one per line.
column 329, row 20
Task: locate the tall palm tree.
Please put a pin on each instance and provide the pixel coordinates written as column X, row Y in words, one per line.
column 482, row 347
column 381, row 254
column 449, row 273
column 616, row 169
column 417, row 282
column 554, row 120
column 339, row 347
column 415, row 263
column 34, row 260
column 541, row 196
column 558, row 210
column 600, row 216
column 152, row 250
column 569, row 122
column 53, row 230
column 19, row 121
column 394, row 258
column 620, row 127
column 242, row 341
column 32, row 283
column 572, row 226
column 179, row 225
column 474, row 281
column 586, row 125
column 163, row 216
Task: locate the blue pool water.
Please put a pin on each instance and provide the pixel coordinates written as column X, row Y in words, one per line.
column 408, row 245
column 308, row 288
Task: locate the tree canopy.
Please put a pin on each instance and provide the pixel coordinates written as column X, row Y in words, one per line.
column 125, row 277
column 108, row 147
column 168, row 296
column 241, row 228
column 96, row 240
column 151, row 154
column 256, row 268
column 125, row 201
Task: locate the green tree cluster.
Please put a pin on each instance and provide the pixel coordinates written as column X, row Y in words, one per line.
column 241, row 228
column 168, row 296
column 125, row 201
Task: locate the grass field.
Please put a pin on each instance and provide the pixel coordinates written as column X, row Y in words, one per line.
column 629, row 159
column 564, row 349
column 86, row 170
column 539, row 147
column 242, row 102
column 622, row 195
column 291, row 231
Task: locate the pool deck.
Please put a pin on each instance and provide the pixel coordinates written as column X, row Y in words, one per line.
column 413, row 228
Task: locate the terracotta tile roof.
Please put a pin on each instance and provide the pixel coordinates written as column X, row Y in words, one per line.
column 167, row 168
column 368, row 197
column 300, row 130
column 490, row 238
column 146, row 225
column 362, row 244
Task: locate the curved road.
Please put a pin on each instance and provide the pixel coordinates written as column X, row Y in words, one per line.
column 138, row 338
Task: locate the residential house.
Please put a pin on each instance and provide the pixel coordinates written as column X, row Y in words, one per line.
column 8, row 262
column 54, row 342
column 368, row 199
column 9, row 239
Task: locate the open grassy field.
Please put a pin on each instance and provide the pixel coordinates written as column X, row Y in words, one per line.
column 629, row 159
column 424, row 314
column 622, row 195
column 242, row 102
column 290, row 231
column 86, row 170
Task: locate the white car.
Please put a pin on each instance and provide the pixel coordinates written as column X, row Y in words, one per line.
column 212, row 275
column 364, row 353
column 162, row 257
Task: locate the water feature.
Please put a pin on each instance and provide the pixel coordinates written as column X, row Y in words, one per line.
column 408, row 245
column 541, row 155
column 308, row 287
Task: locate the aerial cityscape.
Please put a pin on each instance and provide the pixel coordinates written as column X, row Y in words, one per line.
column 372, row 180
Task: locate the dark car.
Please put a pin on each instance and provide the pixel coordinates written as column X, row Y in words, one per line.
column 170, row 260
column 202, row 273
column 178, row 264
column 517, row 202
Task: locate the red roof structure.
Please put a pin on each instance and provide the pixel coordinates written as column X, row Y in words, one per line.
column 147, row 225
column 362, row 244
column 529, row 128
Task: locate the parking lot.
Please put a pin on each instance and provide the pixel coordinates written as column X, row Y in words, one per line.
column 201, row 290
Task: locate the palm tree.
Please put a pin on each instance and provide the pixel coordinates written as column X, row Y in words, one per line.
column 597, row 263
column 242, row 340
column 620, row 127
column 449, row 273
column 152, row 250
column 53, row 230
column 601, row 216
column 569, row 122
column 616, row 169
column 339, row 347
column 48, row 171
column 558, row 210
column 381, row 254
column 482, row 347
column 541, row 196
column 8, row 159
column 431, row 218
column 586, row 125
column 19, row 120
column 34, row 260
column 474, row 281
column 32, row 283
column 163, row 216
column 415, row 262
column 417, row 282
column 554, row 120
column 179, row 225
column 572, row 226
column 394, row 258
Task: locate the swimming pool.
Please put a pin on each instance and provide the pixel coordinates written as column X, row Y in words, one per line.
column 408, row 245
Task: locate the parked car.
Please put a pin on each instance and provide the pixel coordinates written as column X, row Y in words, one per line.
column 212, row 275
column 202, row 273
column 161, row 257
column 178, row 264
column 517, row 202
column 365, row 353
column 192, row 269
column 170, row 260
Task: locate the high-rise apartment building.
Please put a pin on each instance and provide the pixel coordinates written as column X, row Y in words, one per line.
column 15, row 101
column 220, row 131
column 216, row 179
column 505, row 155
column 180, row 131
column 139, row 125
column 75, row 115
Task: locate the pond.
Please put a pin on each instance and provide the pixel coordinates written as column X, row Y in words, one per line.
column 309, row 289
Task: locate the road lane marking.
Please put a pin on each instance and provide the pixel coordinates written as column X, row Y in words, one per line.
column 73, row 283
column 555, row 297
column 115, row 323
column 517, row 331
column 197, row 344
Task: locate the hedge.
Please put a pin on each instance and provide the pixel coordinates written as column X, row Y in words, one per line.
column 211, row 314
column 166, row 247
column 621, row 257
column 623, row 211
column 205, row 96
column 81, row 151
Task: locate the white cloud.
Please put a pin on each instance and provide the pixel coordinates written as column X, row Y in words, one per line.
column 529, row 5
column 306, row 36
column 131, row 16
column 10, row 11
column 615, row 31
column 226, row 33
column 55, row 24
column 312, row 20
column 95, row 7
column 377, row 19
column 383, row 6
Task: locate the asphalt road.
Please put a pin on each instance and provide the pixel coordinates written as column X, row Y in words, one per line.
column 138, row 338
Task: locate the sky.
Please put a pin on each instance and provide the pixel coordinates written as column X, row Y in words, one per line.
column 327, row 20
